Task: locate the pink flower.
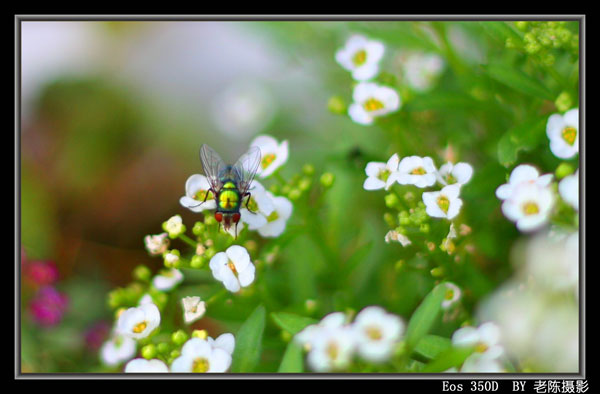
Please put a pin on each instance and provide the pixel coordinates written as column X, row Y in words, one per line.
column 41, row 273
column 48, row 306
column 96, row 334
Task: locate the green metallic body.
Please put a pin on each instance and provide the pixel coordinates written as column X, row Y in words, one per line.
column 229, row 198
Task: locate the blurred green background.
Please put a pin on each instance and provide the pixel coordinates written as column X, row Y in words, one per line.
column 113, row 115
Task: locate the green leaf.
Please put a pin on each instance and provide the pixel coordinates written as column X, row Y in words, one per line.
column 519, row 81
column 499, row 31
column 423, row 318
column 292, row 323
column 525, row 136
column 248, row 342
column 453, row 357
column 430, row 346
column 292, row 361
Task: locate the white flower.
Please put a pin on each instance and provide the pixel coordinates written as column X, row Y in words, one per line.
column 171, row 258
column 146, row 299
column 418, row 171
column 485, row 339
column 224, row 341
column 522, row 174
column 443, row 204
column 167, row 279
column 376, row 333
column 141, row 365
column 261, row 206
column 479, row 363
column 563, row 132
column 331, row 349
column 332, row 321
column 529, row 206
column 421, row 70
column 277, row 220
column 360, row 56
column 193, row 308
column 568, row 188
column 196, row 190
column 552, row 261
column 174, row 226
column 372, row 100
column 233, row 267
column 394, row 235
column 197, row 355
column 139, row 322
column 460, row 173
column 243, row 108
column 273, row 154
column 452, row 295
column 156, row 244
column 381, row 175
column 117, row 349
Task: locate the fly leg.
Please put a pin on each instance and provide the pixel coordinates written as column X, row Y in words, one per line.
column 205, row 197
column 248, row 201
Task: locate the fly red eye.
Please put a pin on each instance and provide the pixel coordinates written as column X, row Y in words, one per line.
column 236, row 217
column 219, row 216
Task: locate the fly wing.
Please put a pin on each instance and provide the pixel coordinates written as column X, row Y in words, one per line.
column 213, row 165
column 245, row 168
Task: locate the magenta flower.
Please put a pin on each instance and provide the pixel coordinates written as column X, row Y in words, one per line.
column 48, row 306
column 41, row 273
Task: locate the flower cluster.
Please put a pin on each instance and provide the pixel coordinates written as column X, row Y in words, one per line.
column 422, row 173
column 529, row 198
column 139, row 307
column 47, row 305
column 332, row 343
column 362, row 56
column 265, row 213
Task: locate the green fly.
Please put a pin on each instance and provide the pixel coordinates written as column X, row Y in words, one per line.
column 229, row 184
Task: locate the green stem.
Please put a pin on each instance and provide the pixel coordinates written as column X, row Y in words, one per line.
column 188, row 241
column 215, row 297
column 279, row 178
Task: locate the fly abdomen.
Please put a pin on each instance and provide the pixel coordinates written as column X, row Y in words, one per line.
column 229, row 198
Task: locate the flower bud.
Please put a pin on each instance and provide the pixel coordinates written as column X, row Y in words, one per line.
column 179, row 337
column 327, row 179
column 336, row 105
column 142, row 273
column 202, row 334
column 149, row 351
column 563, row 170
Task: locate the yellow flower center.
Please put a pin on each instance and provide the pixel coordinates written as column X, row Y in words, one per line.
column 450, row 179
column 569, row 134
column 481, row 347
column 418, row 171
column 200, row 195
column 359, row 58
column 384, row 175
column 273, row 216
column 530, row 208
column 267, row 160
column 372, row 104
column 332, row 350
column 374, row 333
column 232, row 267
column 200, row 365
column 252, row 205
column 140, row 327
column 449, row 294
column 443, row 203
